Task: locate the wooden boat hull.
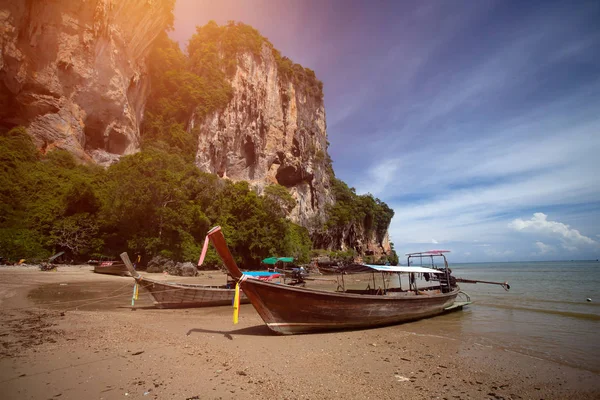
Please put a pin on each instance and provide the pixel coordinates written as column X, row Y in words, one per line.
column 181, row 295
column 113, row 269
column 291, row 310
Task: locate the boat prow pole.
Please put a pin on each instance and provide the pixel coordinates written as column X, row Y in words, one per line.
column 129, row 266
column 218, row 240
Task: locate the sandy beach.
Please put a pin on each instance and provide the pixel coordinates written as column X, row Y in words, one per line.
column 72, row 334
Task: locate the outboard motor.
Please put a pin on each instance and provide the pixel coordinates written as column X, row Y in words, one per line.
column 298, row 275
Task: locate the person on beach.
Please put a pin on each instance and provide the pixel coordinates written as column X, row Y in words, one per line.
column 137, row 261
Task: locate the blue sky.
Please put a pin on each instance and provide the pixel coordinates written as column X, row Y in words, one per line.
column 478, row 122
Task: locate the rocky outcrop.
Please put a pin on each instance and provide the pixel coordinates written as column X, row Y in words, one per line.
column 272, row 131
column 74, row 73
column 160, row 264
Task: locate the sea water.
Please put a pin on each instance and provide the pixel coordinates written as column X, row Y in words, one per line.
column 545, row 313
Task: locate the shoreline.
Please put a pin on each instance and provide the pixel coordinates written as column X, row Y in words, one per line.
column 107, row 350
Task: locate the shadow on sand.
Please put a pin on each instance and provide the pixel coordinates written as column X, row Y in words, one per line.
column 135, row 308
column 258, row 330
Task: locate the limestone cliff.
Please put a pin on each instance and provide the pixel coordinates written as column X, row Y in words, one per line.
column 74, row 73
column 272, row 131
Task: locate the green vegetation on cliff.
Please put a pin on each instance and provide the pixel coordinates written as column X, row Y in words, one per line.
column 215, row 49
column 360, row 210
column 366, row 210
column 176, row 94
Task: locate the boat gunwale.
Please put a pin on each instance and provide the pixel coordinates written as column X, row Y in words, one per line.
column 351, row 295
column 139, row 279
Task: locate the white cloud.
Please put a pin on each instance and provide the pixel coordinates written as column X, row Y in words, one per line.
column 569, row 247
column 544, row 248
column 499, row 253
column 570, row 238
column 378, row 176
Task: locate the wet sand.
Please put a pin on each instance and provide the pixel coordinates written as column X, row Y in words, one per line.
column 72, row 334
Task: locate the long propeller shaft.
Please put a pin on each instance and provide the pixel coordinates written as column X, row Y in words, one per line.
column 504, row 285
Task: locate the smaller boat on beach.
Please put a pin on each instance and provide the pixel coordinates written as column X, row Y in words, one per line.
column 186, row 295
column 110, row 268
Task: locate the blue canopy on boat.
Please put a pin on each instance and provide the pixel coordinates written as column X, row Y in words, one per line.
column 260, row 273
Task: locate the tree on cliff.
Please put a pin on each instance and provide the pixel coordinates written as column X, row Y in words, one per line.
column 350, row 208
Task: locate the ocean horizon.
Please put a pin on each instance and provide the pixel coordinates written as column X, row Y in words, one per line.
column 521, row 261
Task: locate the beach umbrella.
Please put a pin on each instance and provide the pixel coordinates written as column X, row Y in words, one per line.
column 270, row 260
column 273, row 260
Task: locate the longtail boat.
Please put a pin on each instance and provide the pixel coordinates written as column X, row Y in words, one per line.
column 185, row 295
column 111, row 268
column 291, row 310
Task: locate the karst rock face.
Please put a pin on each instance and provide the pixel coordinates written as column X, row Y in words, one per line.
column 74, row 72
column 272, row 131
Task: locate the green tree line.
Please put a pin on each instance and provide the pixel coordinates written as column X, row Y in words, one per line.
column 373, row 214
column 153, row 202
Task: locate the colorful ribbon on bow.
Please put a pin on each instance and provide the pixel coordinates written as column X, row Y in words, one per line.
column 134, row 297
column 203, row 254
column 236, row 303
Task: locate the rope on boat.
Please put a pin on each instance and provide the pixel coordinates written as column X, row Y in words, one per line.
column 124, row 294
column 120, row 295
column 69, row 301
column 94, row 300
